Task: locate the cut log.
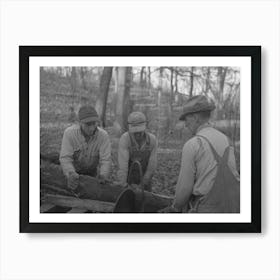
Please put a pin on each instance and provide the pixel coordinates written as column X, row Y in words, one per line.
column 77, row 210
column 56, row 189
column 90, row 188
column 46, row 207
column 50, row 157
column 72, row 202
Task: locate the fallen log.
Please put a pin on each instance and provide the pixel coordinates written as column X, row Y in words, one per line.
column 51, row 157
column 77, row 210
column 57, row 190
column 90, row 188
column 45, row 207
column 72, row 202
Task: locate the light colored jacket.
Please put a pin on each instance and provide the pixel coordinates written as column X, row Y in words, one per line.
column 98, row 146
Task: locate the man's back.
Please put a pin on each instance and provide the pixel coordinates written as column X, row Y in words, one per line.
column 204, row 160
column 224, row 193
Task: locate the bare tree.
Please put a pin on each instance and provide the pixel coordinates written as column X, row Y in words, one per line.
column 222, row 71
column 149, row 76
column 73, row 83
column 191, row 81
column 142, row 74
column 124, row 78
column 207, row 81
column 104, row 86
column 160, row 90
column 83, row 71
column 176, row 82
column 221, row 75
column 170, row 101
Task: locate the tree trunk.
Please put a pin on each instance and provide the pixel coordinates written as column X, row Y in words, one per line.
column 207, row 82
column 73, row 80
column 170, row 103
column 222, row 71
column 160, row 89
column 221, row 81
column 178, row 97
column 149, row 80
column 171, row 83
column 176, row 82
column 124, row 78
column 191, row 82
column 104, row 86
column 142, row 76
column 73, row 83
column 83, row 73
column 91, row 189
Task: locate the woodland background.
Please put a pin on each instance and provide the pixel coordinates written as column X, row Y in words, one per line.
column 159, row 92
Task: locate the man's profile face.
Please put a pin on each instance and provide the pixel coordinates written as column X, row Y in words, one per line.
column 89, row 127
column 191, row 122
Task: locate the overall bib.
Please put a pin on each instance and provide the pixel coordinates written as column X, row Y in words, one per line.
column 224, row 196
column 140, row 154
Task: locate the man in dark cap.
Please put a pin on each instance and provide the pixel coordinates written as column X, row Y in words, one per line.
column 208, row 181
column 137, row 145
column 85, row 146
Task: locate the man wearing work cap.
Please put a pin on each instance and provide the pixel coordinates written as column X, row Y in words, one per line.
column 208, row 180
column 84, row 147
column 137, row 145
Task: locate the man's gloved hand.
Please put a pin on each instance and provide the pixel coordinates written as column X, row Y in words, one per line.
column 73, row 180
column 169, row 209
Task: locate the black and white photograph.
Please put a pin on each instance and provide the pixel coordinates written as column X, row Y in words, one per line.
column 140, row 139
column 157, row 143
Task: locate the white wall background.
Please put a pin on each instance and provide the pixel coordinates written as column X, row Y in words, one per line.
column 139, row 256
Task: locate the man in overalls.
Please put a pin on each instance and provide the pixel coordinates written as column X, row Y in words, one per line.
column 137, row 147
column 208, row 180
column 84, row 148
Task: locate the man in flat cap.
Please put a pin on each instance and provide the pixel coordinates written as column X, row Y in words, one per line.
column 137, row 145
column 208, row 180
column 85, row 146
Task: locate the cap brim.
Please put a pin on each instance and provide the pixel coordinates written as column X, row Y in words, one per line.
column 89, row 119
column 136, row 128
column 209, row 108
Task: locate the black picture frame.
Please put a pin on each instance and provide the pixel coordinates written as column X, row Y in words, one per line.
column 254, row 52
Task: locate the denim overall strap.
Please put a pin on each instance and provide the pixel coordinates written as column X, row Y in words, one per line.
column 138, row 154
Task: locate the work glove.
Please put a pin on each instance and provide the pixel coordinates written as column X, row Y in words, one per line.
column 73, row 180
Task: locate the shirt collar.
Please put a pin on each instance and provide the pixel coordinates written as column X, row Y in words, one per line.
column 205, row 125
